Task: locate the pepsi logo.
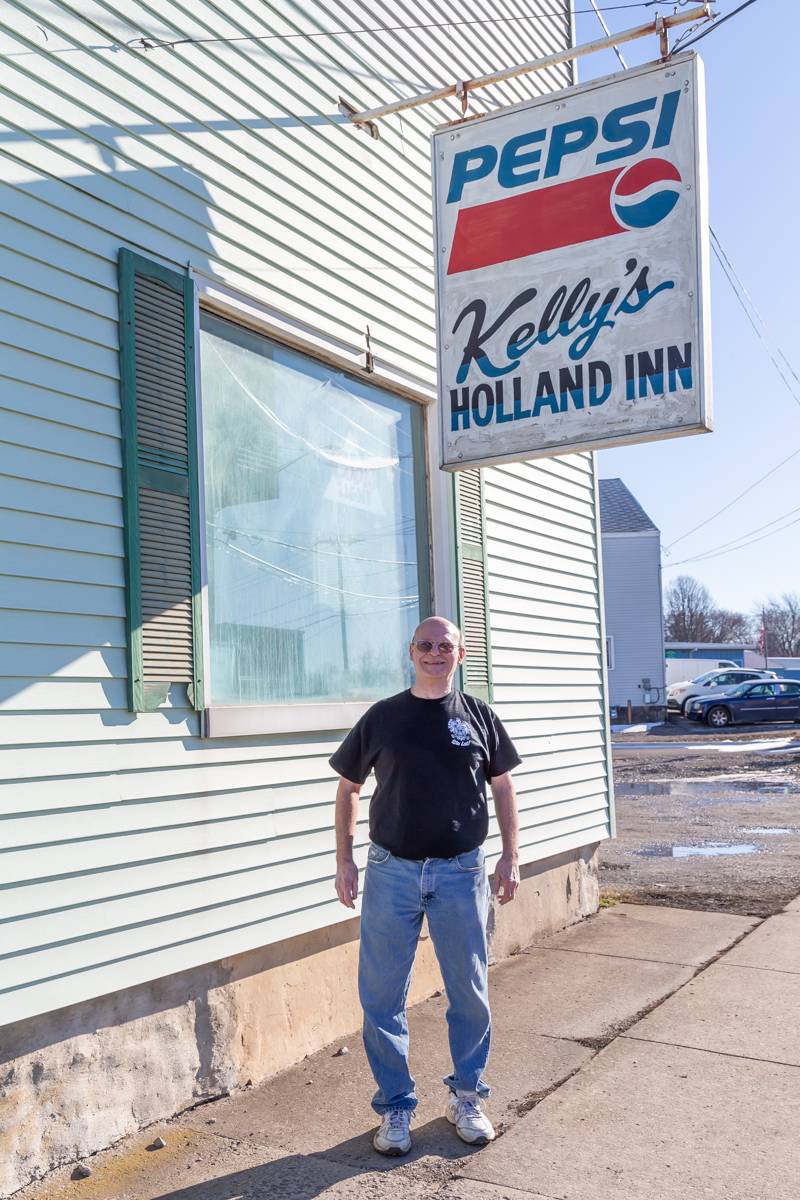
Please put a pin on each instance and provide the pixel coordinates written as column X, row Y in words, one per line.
column 645, row 193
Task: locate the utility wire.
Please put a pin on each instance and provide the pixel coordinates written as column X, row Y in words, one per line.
column 146, row 43
column 751, row 312
column 733, row 543
column 741, row 546
column 755, row 319
column 682, row 44
column 730, row 503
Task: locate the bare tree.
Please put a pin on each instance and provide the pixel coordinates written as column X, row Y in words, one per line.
column 782, row 624
column 691, row 615
column 730, row 626
column 689, row 609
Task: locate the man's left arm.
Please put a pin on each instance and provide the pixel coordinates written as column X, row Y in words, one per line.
column 506, row 873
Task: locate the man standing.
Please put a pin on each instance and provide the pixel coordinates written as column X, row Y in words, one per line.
column 433, row 750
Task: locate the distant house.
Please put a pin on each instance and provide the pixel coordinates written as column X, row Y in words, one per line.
column 714, row 653
column 634, row 616
column 687, row 660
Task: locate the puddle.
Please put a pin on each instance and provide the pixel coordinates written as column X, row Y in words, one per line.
column 708, row 850
column 715, row 788
column 767, row 829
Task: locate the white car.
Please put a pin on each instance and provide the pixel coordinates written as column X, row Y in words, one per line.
column 712, row 683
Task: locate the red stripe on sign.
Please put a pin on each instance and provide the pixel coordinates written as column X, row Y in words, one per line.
column 565, row 214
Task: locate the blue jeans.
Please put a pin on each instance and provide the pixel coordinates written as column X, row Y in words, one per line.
column 454, row 895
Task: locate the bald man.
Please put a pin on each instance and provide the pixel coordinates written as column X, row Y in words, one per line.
column 434, row 751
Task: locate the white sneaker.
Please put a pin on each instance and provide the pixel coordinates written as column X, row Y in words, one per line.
column 393, row 1136
column 471, row 1122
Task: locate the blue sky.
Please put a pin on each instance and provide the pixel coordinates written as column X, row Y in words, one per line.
column 753, row 101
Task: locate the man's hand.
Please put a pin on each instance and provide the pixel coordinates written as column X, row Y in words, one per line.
column 505, row 880
column 347, row 883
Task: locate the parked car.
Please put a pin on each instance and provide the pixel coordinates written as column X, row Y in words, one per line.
column 712, row 683
column 748, row 704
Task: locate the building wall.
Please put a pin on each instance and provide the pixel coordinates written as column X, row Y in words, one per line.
column 231, row 1024
column 546, row 634
column 787, row 667
column 134, row 847
column 133, row 852
column 682, row 652
column 632, row 591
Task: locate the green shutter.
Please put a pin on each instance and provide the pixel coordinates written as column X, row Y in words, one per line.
column 472, row 576
column 161, row 495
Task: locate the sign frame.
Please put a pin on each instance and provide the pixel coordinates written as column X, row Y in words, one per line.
column 451, row 461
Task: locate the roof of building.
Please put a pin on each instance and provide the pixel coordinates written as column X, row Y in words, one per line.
column 710, row 646
column 620, row 512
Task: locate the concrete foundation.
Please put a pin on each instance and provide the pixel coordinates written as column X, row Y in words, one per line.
column 76, row 1080
column 640, row 714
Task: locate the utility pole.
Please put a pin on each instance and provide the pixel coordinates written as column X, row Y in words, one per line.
column 764, row 636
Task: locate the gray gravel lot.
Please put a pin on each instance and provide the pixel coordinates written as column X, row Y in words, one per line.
column 712, row 823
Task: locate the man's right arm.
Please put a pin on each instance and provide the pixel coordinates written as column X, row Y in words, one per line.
column 347, row 795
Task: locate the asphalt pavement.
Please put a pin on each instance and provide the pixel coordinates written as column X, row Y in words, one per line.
column 647, row 1053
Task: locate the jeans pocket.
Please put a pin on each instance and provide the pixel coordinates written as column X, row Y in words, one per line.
column 377, row 854
column 470, row 861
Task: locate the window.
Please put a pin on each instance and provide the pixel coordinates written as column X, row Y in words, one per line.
column 314, row 499
column 788, row 689
column 277, row 550
column 610, row 653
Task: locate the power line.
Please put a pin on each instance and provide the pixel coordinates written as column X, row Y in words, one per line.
column 741, row 546
column 733, row 543
column 753, row 315
column 755, row 319
column 146, row 43
column 730, row 503
column 682, row 44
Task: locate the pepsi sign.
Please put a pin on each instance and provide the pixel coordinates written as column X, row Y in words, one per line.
column 572, row 266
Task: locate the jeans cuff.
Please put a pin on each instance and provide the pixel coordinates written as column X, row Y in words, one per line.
column 380, row 1107
column 481, row 1089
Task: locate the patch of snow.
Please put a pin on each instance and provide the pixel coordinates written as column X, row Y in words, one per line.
column 737, row 747
column 637, row 728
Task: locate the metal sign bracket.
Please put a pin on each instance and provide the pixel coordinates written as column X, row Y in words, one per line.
column 351, row 112
column 367, row 118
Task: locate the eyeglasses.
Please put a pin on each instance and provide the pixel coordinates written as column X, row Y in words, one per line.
column 442, row 647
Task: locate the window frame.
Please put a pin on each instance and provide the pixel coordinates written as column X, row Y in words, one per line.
column 610, row 663
column 218, row 299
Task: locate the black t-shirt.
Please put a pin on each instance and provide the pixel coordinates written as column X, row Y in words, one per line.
column 432, row 761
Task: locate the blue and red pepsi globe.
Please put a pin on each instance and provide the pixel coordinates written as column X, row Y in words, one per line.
column 645, row 193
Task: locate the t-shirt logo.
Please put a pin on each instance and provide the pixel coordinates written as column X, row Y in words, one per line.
column 460, row 733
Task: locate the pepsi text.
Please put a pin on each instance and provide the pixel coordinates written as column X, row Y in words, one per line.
column 624, row 131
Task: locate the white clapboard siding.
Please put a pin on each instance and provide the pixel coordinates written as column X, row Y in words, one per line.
column 36, row 529
column 548, row 681
column 129, row 846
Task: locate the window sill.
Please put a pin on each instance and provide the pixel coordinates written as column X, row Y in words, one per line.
column 224, row 721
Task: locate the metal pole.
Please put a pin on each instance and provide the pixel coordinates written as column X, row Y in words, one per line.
column 607, row 31
column 659, row 25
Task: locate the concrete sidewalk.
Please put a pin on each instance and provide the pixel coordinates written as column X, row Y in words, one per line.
column 646, row 1054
